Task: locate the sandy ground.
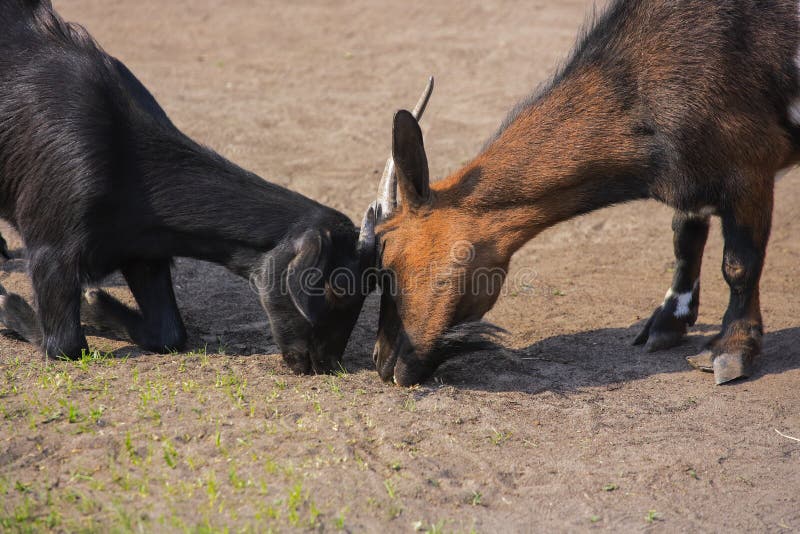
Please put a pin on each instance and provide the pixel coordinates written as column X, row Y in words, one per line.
column 568, row 429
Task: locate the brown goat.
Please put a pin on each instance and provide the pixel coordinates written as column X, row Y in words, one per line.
column 690, row 102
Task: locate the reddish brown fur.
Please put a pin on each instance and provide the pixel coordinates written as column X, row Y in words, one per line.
column 685, row 102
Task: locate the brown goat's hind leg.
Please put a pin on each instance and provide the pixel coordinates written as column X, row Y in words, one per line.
column 669, row 322
column 746, row 231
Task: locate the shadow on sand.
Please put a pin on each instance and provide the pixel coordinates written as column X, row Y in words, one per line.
column 599, row 358
column 560, row 363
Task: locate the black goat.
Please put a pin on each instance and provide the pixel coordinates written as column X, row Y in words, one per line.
column 96, row 178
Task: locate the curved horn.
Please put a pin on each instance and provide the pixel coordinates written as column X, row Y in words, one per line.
column 366, row 238
column 387, row 190
column 422, row 104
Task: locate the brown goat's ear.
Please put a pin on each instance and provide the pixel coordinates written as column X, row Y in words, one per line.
column 411, row 163
column 305, row 277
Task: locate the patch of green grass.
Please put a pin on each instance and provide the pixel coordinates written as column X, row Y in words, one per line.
column 338, row 521
column 390, row 489
column 211, row 488
column 236, row 481
column 22, row 487
column 340, row 372
column 394, row 511
column 170, row 454
column 476, row 498
column 89, row 357
column 333, row 385
column 218, row 439
column 293, row 504
column 234, row 386
column 610, row 487
column 498, row 438
column 96, row 413
column 73, row 415
column 132, row 454
column 652, row 516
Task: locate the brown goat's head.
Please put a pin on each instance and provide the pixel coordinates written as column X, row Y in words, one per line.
column 438, row 277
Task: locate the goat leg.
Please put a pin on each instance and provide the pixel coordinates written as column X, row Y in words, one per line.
column 670, row 321
column 745, row 227
column 158, row 327
column 18, row 316
column 4, row 249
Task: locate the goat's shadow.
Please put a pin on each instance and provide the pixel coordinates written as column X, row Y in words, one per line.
column 222, row 315
column 601, row 357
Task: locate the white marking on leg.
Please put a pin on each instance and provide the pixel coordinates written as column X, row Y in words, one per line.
column 684, row 300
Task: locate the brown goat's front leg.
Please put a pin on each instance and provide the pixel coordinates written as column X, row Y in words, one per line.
column 746, row 230
column 669, row 322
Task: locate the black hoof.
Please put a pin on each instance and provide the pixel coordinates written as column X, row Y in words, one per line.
column 662, row 331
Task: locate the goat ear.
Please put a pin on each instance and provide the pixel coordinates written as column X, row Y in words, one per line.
column 305, row 277
column 411, row 163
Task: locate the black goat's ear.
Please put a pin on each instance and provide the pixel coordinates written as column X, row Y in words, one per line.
column 305, row 277
column 410, row 160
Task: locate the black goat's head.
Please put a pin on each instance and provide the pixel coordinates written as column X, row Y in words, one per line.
column 312, row 287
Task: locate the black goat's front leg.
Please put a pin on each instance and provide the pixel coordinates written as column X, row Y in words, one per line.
column 669, row 322
column 746, row 230
column 57, row 297
column 158, row 326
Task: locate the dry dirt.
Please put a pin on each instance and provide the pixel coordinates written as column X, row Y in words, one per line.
column 568, row 429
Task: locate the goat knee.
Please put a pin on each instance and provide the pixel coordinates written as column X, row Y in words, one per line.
column 741, row 271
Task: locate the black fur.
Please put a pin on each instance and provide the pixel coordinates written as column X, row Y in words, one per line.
column 96, row 178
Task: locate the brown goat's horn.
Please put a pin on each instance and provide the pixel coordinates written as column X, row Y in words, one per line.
column 366, row 239
column 387, row 190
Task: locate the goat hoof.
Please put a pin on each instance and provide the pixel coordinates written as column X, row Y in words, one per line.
column 663, row 340
column 703, row 361
column 729, row 367
column 662, row 331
